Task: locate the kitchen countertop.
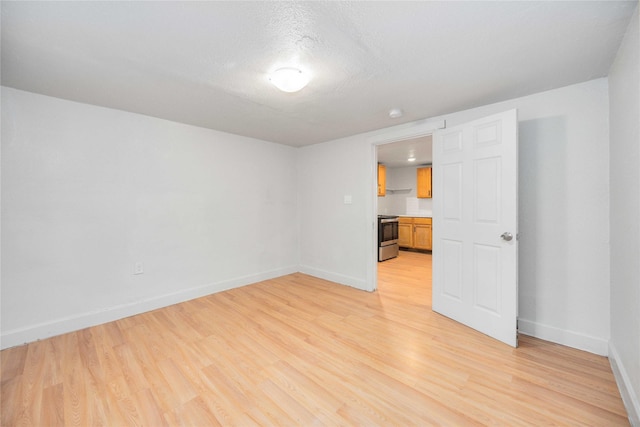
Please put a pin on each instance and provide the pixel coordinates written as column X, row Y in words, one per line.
column 417, row 216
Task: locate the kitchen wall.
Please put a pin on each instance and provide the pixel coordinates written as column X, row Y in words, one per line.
column 88, row 191
column 564, row 211
column 403, row 200
column 624, row 94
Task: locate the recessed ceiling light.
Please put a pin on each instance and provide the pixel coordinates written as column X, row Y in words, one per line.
column 411, row 159
column 289, row 79
column 394, row 113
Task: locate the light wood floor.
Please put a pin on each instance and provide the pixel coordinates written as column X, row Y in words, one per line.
column 302, row 351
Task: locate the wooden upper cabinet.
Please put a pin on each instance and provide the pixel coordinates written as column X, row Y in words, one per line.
column 382, row 179
column 424, row 183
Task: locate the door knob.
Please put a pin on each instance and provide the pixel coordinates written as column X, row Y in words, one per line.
column 506, row 236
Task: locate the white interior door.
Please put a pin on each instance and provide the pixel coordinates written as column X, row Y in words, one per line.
column 475, row 168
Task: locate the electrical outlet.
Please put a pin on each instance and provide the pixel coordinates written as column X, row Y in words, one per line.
column 138, row 268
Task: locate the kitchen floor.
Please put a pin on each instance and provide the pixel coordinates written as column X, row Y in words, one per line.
column 409, row 274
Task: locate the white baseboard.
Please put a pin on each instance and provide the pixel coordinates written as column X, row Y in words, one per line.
column 629, row 395
column 334, row 277
column 72, row 323
column 564, row 337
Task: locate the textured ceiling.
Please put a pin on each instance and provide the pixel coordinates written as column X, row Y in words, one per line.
column 396, row 154
column 206, row 63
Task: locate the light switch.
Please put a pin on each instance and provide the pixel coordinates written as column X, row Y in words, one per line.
column 138, row 268
column 347, row 199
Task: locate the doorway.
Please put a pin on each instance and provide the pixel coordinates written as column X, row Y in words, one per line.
column 389, row 137
column 398, row 196
column 475, row 266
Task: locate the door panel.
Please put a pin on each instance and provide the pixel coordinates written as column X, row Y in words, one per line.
column 452, row 194
column 475, row 182
column 486, row 277
column 487, row 190
column 452, row 269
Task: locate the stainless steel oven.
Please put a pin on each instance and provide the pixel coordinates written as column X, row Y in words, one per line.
column 387, row 237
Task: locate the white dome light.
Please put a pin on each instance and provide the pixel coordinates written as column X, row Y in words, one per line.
column 289, row 79
column 395, row 113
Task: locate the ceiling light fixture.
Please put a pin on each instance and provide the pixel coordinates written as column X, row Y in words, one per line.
column 289, row 79
column 395, row 113
column 411, row 159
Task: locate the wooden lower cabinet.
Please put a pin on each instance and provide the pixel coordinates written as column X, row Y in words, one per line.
column 414, row 233
column 405, row 234
column 422, row 233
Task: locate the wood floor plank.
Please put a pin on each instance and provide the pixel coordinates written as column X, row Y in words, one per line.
column 52, row 412
column 12, row 362
column 299, row 350
column 11, row 395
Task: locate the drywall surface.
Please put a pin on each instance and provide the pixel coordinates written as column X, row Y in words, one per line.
column 336, row 238
column 563, row 204
column 89, row 191
column 563, row 216
column 624, row 95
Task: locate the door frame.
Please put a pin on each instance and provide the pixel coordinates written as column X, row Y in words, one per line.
column 388, row 136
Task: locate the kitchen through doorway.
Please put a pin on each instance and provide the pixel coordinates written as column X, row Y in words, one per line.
column 400, row 194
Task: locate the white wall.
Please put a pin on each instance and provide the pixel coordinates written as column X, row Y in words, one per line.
column 404, row 181
column 564, row 211
column 624, row 94
column 87, row 191
column 336, row 238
